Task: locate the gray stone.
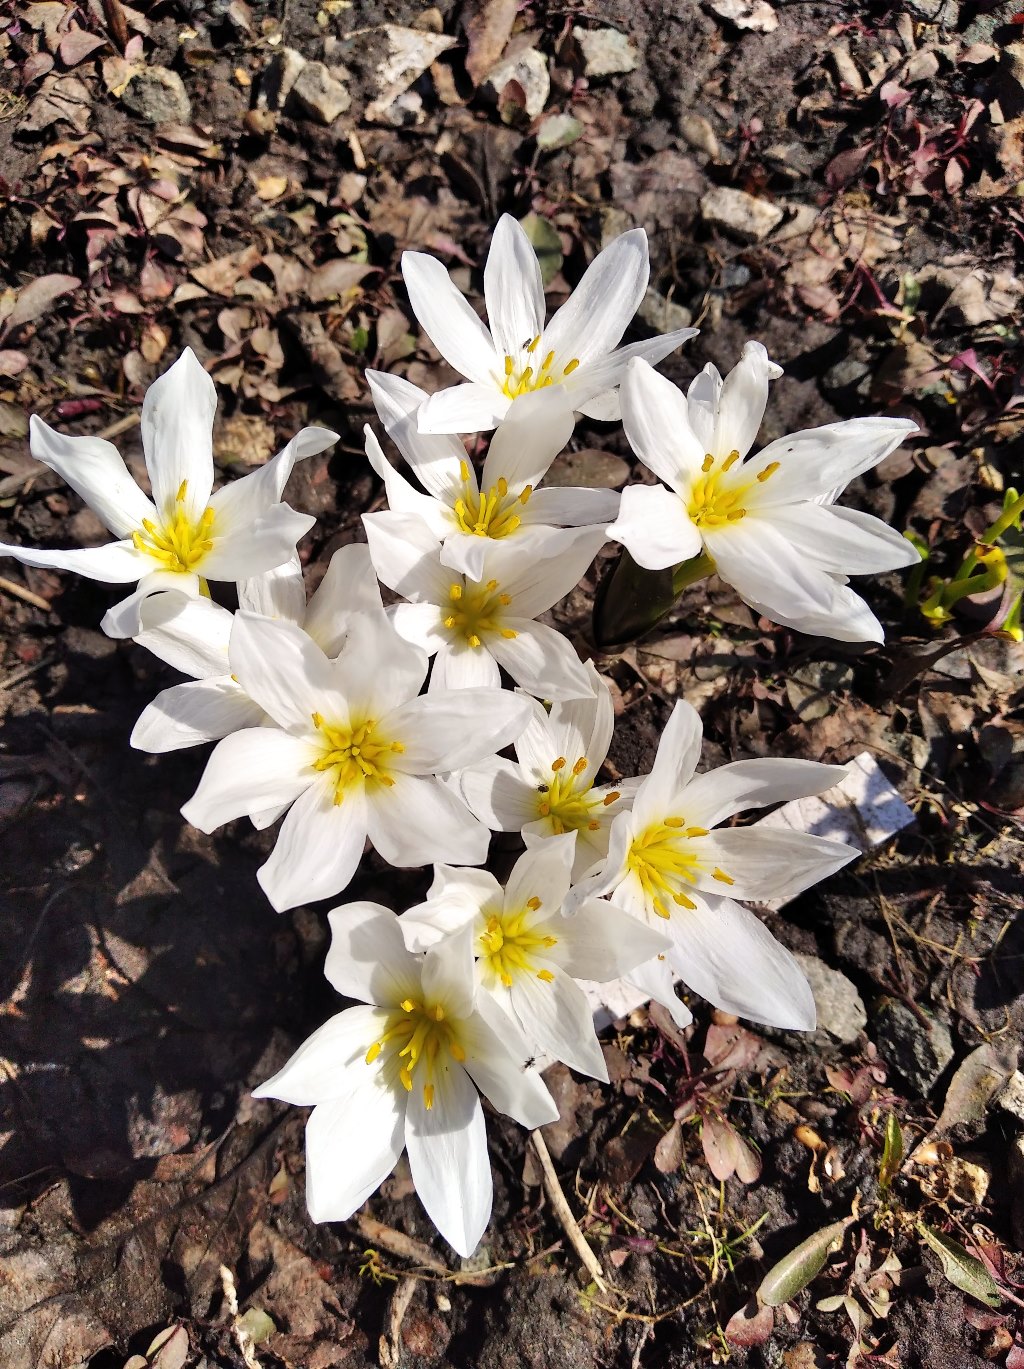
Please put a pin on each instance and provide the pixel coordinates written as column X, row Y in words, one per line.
column 606, row 52
column 1011, row 1097
column 920, row 1053
column 851, row 373
column 663, row 314
column 744, row 215
column 699, row 134
column 319, row 94
column 840, row 1010
column 530, row 69
column 280, row 77
column 158, row 96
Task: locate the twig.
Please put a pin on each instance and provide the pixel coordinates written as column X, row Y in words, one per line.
column 390, row 1348
column 242, row 1337
column 20, row 592
column 397, row 1243
column 564, row 1213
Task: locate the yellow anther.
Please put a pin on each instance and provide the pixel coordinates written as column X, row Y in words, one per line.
column 504, row 600
column 502, row 488
column 721, row 876
column 464, row 472
column 593, row 825
column 179, row 498
column 524, row 497
column 531, row 347
column 768, row 471
column 491, row 586
column 707, row 463
column 533, row 903
column 568, row 370
column 428, row 1096
column 559, row 764
column 683, row 901
column 449, row 621
column 673, row 822
column 731, row 459
column 546, row 976
column 457, row 1052
column 611, row 798
column 546, row 363
column 438, row 1013
column 318, row 719
column 696, row 831
column 580, row 766
column 398, row 748
column 734, row 515
column 473, row 640
column 659, row 907
column 455, row 593
column 509, row 634
column 544, row 809
column 508, row 365
column 525, row 378
column 373, row 1052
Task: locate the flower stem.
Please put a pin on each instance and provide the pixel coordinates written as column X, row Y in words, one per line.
column 631, row 601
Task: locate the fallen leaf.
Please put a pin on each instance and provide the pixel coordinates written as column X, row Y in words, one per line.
column 751, row 1325
column 335, row 278
column 488, row 29
column 76, row 46
column 35, row 298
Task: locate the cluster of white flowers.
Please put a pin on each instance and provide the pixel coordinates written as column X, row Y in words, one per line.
column 321, row 719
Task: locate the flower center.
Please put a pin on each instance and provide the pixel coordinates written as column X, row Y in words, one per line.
column 716, row 501
column 179, row 543
column 356, row 754
column 419, row 1038
column 664, row 860
column 508, row 945
column 474, row 610
column 565, row 801
column 522, row 378
column 491, row 513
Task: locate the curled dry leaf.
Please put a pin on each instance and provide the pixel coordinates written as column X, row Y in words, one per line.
column 727, row 1153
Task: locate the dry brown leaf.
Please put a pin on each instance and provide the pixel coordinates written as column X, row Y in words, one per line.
column 488, row 29
column 34, row 299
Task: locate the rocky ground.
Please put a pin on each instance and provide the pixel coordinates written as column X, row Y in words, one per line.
column 842, row 182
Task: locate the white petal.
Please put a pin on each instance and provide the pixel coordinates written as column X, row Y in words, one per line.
column 544, row 740
column 674, row 764
column 590, row 389
column 285, row 672
column 478, row 558
column 743, row 401
column 401, row 496
column 654, row 415
column 447, row 319
column 761, row 565
column 177, row 435
column 527, row 440
column 496, row 1056
column 266, row 486
column 243, row 549
column 541, row 660
column 258, row 768
column 378, row 670
column 820, row 460
column 117, row 563
column 446, row 731
column 471, row 408
column 543, row 872
column 95, row 470
column 190, row 634
column 559, row 1018
column 465, row 887
column 368, row 959
column 349, row 587
column 654, row 527
column 447, row 1147
column 843, row 541
column 570, row 506
column 768, row 863
column 597, row 313
column 352, row 1145
column 847, row 618
column 717, row 794
column 436, row 460
column 421, row 625
column 277, row 593
column 702, row 400
column 602, row 941
column 417, row 821
column 499, row 796
column 124, row 619
column 406, row 556
column 458, row 666
column 330, row 1063
column 513, row 288
column 727, row 955
column 656, row 981
column 537, row 584
column 318, row 848
column 449, row 977
column 193, row 713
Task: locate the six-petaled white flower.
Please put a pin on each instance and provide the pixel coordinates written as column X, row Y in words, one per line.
column 355, row 753
column 528, row 956
column 465, row 513
column 549, row 789
column 518, row 353
column 766, row 521
column 671, row 865
column 187, row 532
column 471, row 627
column 402, row 1072
column 192, row 635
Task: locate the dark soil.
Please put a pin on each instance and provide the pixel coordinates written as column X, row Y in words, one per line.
column 147, row 986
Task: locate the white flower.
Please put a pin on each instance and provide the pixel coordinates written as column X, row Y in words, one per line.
column 766, row 522
column 518, row 354
column 192, row 635
column 186, row 533
column 402, row 1073
column 669, row 867
column 474, row 626
column 528, row 956
column 550, row 787
column 467, row 514
column 354, row 753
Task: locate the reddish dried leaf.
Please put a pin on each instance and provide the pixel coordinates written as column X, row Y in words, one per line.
column 668, row 1153
column 721, row 1148
column 78, row 45
column 751, row 1325
column 35, row 298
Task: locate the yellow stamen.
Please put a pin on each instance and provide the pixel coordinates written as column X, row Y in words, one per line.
column 559, row 764
column 568, row 370
column 580, row 766
column 611, row 798
column 707, row 463
column 721, row 876
column 731, row 459
column 768, row 471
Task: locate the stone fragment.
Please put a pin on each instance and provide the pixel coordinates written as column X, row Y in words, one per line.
column 530, row 69
column 745, row 215
column 319, row 94
column 158, row 95
column 408, row 55
column 840, row 1010
column 280, row 77
column 920, row 1053
column 699, row 134
column 756, row 15
column 606, row 52
column 663, row 314
column 1011, row 1096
